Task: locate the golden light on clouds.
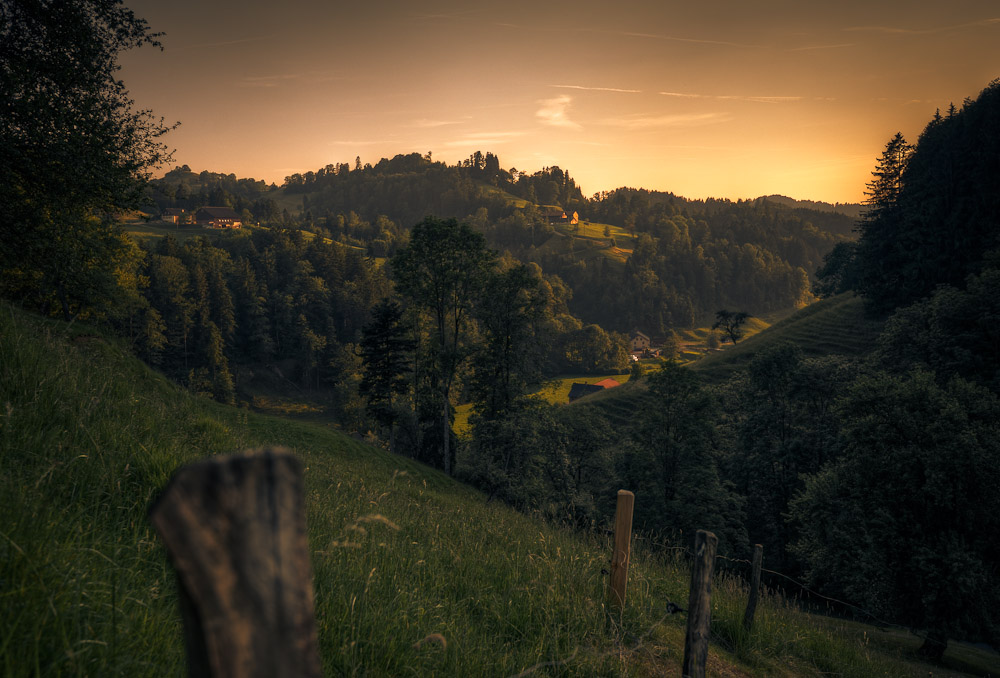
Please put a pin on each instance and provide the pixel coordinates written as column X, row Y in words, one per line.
column 728, row 101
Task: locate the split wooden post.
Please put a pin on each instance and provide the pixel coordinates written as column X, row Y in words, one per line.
column 622, row 549
column 234, row 527
column 699, row 606
column 758, row 558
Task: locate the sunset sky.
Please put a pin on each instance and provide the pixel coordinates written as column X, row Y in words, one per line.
column 726, row 98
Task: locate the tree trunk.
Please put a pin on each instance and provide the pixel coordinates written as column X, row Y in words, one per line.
column 63, row 301
column 446, row 430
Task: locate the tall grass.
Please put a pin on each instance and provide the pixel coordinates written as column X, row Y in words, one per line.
column 414, row 574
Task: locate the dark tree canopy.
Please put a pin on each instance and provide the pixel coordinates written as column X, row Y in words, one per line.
column 74, row 149
column 933, row 213
column 906, row 519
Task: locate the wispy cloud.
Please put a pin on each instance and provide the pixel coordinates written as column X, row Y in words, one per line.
column 898, row 30
column 424, row 123
column 555, row 112
column 279, row 79
column 540, row 28
column 683, row 120
column 484, row 138
column 907, row 102
column 268, row 80
column 225, row 43
column 733, row 97
column 674, row 38
column 808, row 48
column 599, row 89
column 447, row 16
column 358, row 142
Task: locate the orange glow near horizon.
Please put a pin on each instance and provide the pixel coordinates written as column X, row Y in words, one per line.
column 732, row 102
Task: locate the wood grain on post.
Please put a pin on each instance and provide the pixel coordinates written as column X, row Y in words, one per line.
column 622, row 549
column 699, row 606
column 758, row 558
column 235, row 530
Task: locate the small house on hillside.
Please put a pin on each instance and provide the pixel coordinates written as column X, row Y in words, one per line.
column 217, row 217
column 174, row 215
column 556, row 215
column 553, row 215
column 578, row 390
column 640, row 342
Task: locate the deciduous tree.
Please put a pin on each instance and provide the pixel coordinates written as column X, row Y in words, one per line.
column 441, row 271
column 74, row 148
column 731, row 322
column 904, row 522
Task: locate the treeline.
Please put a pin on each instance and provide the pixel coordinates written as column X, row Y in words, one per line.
column 406, row 188
column 676, row 276
column 182, row 188
column 688, row 259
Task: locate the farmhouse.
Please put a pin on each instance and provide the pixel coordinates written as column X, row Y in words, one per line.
column 556, row 215
column 553, row 214
column 217, row 217
column 640, row 342
column 174, row 215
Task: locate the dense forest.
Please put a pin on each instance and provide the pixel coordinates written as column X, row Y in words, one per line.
column 673, row 261
column 398, row 290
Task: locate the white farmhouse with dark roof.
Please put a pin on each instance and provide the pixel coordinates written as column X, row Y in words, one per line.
column 640, row 342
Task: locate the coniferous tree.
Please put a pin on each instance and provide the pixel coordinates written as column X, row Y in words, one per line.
column 881, row 226
column 386, row 353
column 934, row 211
column 511, row 302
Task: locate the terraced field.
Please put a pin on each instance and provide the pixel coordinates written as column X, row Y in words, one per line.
column 835, row 326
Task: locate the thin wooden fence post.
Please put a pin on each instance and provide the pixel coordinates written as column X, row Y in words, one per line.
column 234, row 527
column 699, row 606
column 758, row 558
column 622, row 549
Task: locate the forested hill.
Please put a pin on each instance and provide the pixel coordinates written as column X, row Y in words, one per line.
column 636, row 259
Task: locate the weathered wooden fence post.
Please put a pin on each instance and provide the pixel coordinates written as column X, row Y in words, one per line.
column 758, row 558
column 622, row 549
column 699, row 606
column 235, row 530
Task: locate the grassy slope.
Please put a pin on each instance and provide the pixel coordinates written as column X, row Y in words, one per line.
column 831, row 326
column 154, row 231
column 88, row 436
column 835, row 325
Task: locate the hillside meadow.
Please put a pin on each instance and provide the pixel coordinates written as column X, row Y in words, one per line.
column 88, row 436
